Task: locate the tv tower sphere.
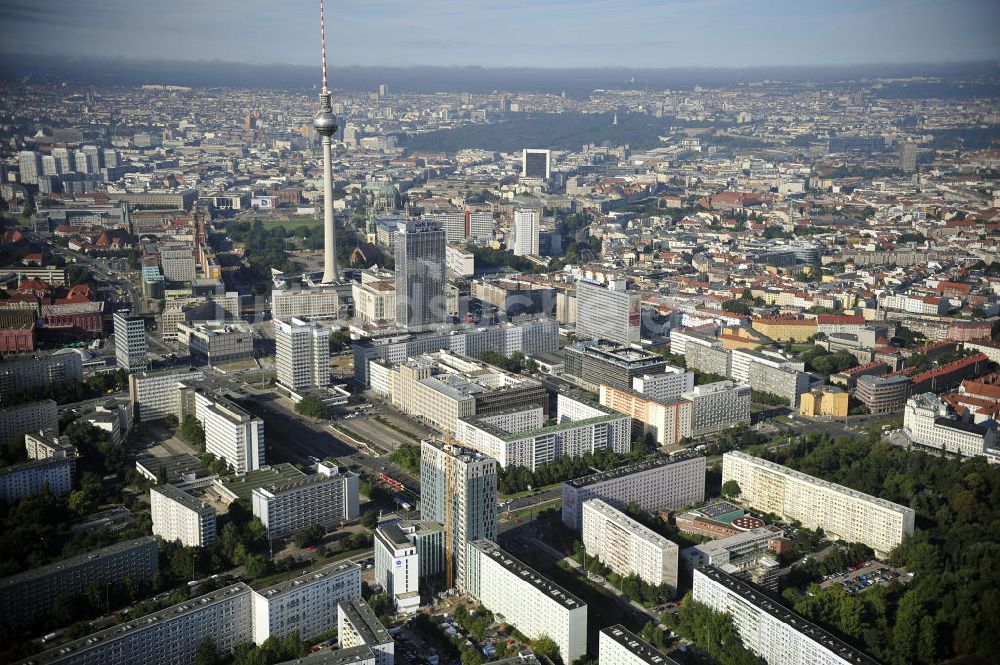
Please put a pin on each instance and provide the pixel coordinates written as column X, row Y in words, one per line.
column 325, row 122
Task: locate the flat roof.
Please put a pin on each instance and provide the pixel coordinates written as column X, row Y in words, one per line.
column 78, row 560
column 175, row 465
column 242, row 486
column 392, row 534
column 629, row 524
column 788, row 617
column 716, row 547
column 364, row 621
column 137, row 624
column 348, row 656
column 305, row 481
column 528, row 574
column 638, row 647
column 183, row 498
column 628, row 470
column 38, row 464
column 506, row 436
column 812, row 480
column 332, row 570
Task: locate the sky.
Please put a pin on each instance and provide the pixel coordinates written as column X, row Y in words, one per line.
column 516, row 33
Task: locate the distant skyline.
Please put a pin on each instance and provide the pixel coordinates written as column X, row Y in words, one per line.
column 512, row 33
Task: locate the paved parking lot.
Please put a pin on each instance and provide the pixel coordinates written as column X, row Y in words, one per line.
column 865, row 576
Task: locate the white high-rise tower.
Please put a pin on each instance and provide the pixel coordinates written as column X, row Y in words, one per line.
column 326, row 125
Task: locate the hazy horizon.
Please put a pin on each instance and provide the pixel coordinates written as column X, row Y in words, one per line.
column 557, row 33
column 575, row 81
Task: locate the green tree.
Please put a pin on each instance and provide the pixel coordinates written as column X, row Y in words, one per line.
column 339, row 341
column 191, row 430
column 369, row 519
column 311, row 407
column 206, row 653
column 545, row 646
column 311, row 535
column 255, row 566
column 731, row 489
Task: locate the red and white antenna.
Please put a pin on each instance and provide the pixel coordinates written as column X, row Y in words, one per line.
column 322, row 34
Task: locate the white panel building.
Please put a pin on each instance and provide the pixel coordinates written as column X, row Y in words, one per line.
column 302, row 354
column 180, row 517
column 357, row 626
column 306, row 605
column 610, row 312
column 231, row 433
column 327, row 498
column 665, row 482
column 130, row 342
column 717, row 406
column 617, row 645
column 626, row 546
column 528, row 601
column 841, row 512
column 157, row 395
column 520, row 438
column 526, row 228
column 773, row 632
column 667, row 386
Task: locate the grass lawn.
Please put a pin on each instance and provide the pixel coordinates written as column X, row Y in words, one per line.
column 518, row 495
column 292, row 223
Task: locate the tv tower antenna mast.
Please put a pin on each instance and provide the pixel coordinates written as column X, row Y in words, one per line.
column 326, row 125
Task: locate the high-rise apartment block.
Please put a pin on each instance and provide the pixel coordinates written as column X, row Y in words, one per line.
column 306, row 605
column 302, row 354
column 29, row 165
column 179, row 517
column 130, row 342
column 166, row 637
column 441, row 388
column 841, row 512
column 232, row 434
column 527, row 600
column 908, row 156
column 668, row 422
column 520, row 437
column 598, row 363
column 458, row 488
column 776, row 634
column 358, row 626
column 327, row 498
column 626, row 546
column 608, row 312
column 54, row 475
column 34, row 592
column 617, row 645
column 22, row 374
column 717, row 406
column 666, row 386
column 526, row 228
column 420, row 274
column 156, row 395
column 28, row 418
column 665, row 482
column 536, row 164
column 530, row 337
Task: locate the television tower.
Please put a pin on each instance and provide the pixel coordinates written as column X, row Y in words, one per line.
column 326, row 125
